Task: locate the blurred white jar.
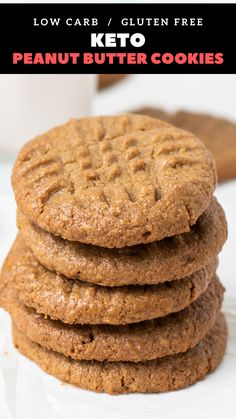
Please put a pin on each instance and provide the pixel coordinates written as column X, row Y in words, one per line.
column 31, row 104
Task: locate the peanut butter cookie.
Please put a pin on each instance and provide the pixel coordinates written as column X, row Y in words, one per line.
column 171, row 258
column 159, row 375
column 218, row 134
column 114, row 181
column 73, row 301
column 136, row 342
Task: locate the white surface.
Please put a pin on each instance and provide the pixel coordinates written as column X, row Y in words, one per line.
column 28, row 393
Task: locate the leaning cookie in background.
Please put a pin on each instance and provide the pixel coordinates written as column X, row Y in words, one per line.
column 218, row 134
column 107, row 80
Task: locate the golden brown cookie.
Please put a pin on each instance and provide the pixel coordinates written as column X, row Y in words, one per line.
column 107, row 80
column 136, row 342
column 73, row 301
column 164, row 374
column 114, row 181
column 218, row 134
column 171, row 258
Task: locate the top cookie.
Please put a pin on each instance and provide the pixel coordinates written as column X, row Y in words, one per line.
column 114, row 181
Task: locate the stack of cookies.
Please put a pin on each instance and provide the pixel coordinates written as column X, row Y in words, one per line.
column 111, row 282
